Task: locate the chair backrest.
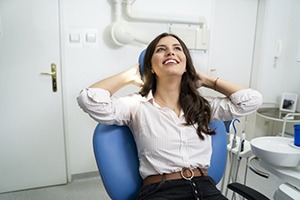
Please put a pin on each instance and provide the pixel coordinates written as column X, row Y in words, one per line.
column 219, row 148
column 117, row 161
column 118, row 164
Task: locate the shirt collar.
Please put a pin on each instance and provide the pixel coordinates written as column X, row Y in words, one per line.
column 150, row 99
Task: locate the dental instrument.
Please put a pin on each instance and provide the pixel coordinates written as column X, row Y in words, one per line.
column 227, row 127
column 238, row 148
column 238, row 159
column 241, row 149
column 233, row 145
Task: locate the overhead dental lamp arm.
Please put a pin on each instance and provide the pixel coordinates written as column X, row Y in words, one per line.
column 123, row 34
column 161, row 17
column 117, row 10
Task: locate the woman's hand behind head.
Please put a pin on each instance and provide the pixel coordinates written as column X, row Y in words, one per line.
column 134, row 76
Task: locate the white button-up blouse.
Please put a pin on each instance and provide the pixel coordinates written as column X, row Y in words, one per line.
column 164, row 144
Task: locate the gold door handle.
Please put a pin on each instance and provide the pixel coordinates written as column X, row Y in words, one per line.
column 53, row 75
column 48, row 73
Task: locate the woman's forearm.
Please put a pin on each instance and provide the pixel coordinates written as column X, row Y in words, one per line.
column 112, row 83
column 225, row 87
column 118, row 81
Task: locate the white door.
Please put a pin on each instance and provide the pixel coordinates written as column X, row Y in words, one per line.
column 233, row 39
column 232, row 44
column 32, row 146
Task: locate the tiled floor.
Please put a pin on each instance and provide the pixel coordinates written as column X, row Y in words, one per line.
column 92, row 189
column 81, row 189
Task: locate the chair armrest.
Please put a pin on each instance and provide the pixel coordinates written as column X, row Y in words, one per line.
column 246, row 192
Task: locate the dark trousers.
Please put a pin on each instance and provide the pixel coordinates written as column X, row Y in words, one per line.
column 199, row 188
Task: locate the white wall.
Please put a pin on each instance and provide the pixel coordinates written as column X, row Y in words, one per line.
column 281, row 22
column 278, row 20
column 232, row 24
column 84, row 65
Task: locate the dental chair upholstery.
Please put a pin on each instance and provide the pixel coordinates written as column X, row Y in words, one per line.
column 118, row 164
column 117, row 160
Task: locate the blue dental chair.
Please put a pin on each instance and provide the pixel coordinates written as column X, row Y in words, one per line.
column 118, row 164
column 117, row 160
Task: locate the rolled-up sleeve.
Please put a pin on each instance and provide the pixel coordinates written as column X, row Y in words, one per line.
column 103, row 108
column 240, row 103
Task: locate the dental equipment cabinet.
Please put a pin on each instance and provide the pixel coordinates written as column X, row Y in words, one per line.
column 290, row 188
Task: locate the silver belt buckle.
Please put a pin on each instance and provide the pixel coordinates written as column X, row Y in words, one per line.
column 187, row 178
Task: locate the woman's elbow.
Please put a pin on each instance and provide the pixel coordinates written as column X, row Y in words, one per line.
column 81, row 100
column 257, row 99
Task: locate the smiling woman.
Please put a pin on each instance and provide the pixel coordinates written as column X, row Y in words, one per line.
column 169, row 118
column 168, row 58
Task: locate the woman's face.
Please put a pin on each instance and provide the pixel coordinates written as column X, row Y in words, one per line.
column 168, row 58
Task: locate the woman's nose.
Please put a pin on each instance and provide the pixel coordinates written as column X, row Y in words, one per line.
column 170, row 53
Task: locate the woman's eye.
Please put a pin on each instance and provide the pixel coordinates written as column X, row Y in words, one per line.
column 178, row 48
column 160, row 49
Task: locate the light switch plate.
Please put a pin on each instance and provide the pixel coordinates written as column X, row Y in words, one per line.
column 91, row 36
column 74, row 38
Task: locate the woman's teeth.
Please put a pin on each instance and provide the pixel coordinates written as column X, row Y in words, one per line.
column 170, row 61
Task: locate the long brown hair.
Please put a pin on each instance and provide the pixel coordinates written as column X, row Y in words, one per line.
column 195, row 107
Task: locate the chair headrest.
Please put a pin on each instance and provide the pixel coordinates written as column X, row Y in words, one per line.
column 141, row 61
